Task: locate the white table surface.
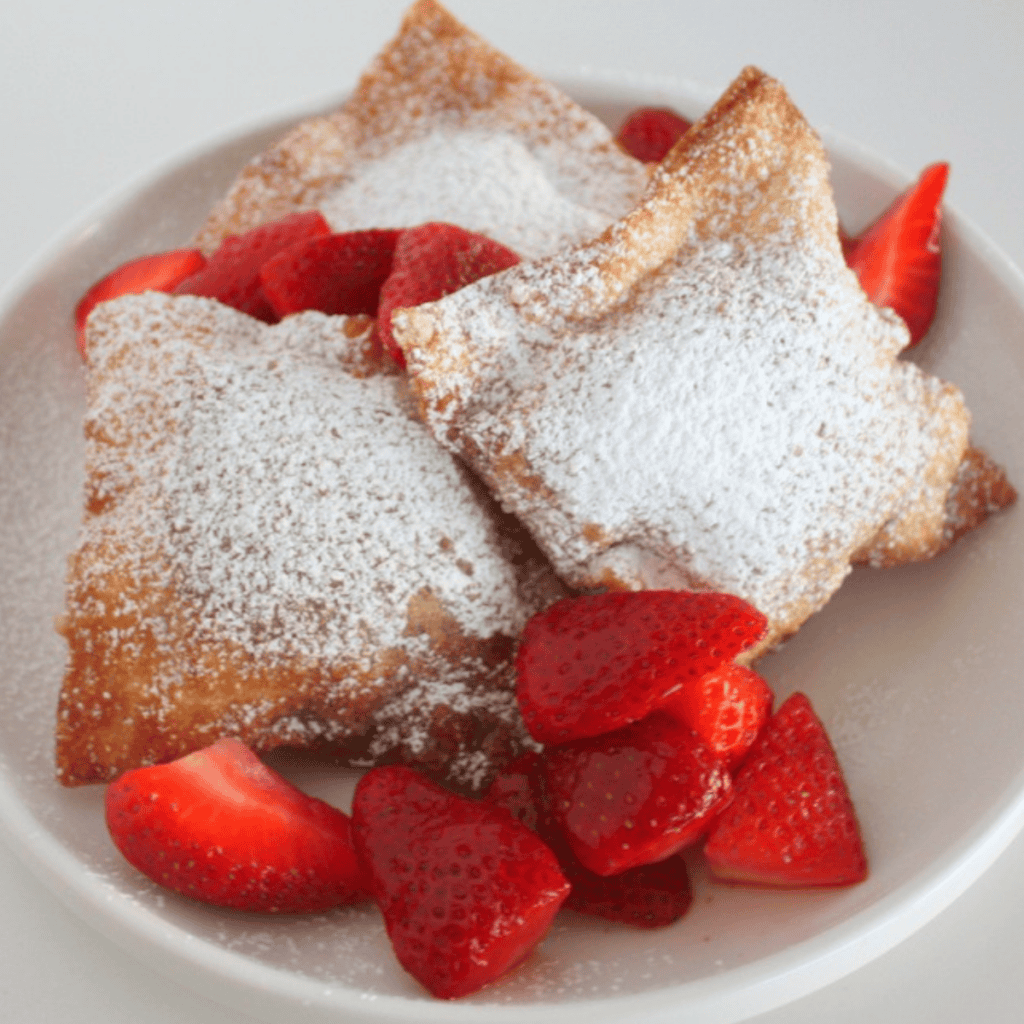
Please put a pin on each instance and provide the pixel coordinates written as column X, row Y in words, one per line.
column 96, row 92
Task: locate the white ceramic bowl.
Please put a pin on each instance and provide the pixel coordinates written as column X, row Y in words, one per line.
column 913, row 670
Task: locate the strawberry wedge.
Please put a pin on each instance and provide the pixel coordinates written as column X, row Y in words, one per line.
column 634, row 796
column 431, row 261
column 466, row 890
column 726, row 709
column 157, row 272
column 335, row 274
column 648, row 896
column 648, row 133
column 791, row 823
column 898, row 259
column 589, row 665
column 232, row 273
column 220, row 826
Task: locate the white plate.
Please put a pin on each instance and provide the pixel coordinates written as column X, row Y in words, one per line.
column 913, row 670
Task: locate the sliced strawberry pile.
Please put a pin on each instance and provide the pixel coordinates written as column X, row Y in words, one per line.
column 598, row 824
column 221, row 827
column 159, row 272
column 296, row 263
column 431, row 261
column 590, row 665
column 466, row 890
column 791, row 822
column 705, row 760
column 232, row 273
column 898, row 259
column 725, row 708
column 648, row 133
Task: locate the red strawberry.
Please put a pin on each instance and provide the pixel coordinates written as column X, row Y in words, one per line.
column 220, row 826
column 340, row 273
column 650, row 132
column 726, row 709
column 898, row 259
column 649, row 896
column 466, row 891
column 791, row 822
column 431, row 261
column 232, row 274
column 519, row 788
column 159, row 272
column 589, row 665
column 634, row 796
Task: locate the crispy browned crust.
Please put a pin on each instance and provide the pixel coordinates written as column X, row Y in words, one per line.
column 979, row 489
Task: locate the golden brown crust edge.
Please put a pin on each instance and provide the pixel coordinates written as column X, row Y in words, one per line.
column 979, row 489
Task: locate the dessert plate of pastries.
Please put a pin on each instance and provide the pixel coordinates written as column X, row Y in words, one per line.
column 217, row 526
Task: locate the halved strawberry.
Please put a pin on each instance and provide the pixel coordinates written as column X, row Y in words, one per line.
column 340, row 273
column 898, row 259
column 431, row 261
column 466, row 890
column 220, row 826
column 634, row 796
column 589, row 665
column 232, row 273
column 649, row 896
column 791, row 822
column 648, row 133
column 158, row 272
column 726, row 709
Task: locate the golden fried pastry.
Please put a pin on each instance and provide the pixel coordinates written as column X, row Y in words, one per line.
column 443, row 127
column 702, row 396
column 979, row 489
column 274, row 549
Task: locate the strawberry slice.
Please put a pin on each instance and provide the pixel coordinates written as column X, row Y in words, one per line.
column 232, row 273
column 220, row 826
column 634, row 796
column 649, row 896
column 589, row 665
column 466, row 890
column 648, row 133
column 158, row 272
column 726, row 709
column 431, row 261
column 898, row 259
column 791, row 822
column 335, row 274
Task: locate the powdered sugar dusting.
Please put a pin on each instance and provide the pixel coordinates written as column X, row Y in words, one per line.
column 484, row 182
column 275, row 482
